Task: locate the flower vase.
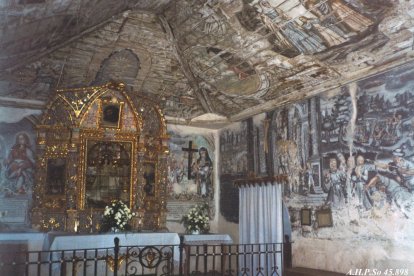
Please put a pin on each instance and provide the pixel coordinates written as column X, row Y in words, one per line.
column 195, row 232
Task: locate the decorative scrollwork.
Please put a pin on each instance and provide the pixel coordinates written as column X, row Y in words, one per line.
column 150, row 257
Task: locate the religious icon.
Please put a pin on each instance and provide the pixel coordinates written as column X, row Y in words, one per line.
column 202, row 169
column 19, row 165
column 108, row 171
column 111, row 114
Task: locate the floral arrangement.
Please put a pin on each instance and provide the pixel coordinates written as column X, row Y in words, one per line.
column 116, row 217
column 197, row 219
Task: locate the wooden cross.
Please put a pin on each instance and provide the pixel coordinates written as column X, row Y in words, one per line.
column 190, row 151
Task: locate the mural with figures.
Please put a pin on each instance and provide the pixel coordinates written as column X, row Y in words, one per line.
column 17, row 164
column 190, row 172
column 349, row 152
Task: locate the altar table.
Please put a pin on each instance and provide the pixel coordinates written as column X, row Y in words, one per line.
column 105, row 244
column 210, row 239
column 195, row 242
column 67, row 242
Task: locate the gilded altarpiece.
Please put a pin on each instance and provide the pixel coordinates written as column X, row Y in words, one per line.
column 97, row 144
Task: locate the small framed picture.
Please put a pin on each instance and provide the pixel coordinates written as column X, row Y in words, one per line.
column 306, row 216
column 324, row 218
column 111, row 114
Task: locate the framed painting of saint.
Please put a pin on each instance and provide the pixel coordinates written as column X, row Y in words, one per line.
column 111, row 114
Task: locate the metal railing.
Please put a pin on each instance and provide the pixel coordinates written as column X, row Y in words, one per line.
column 182, row 259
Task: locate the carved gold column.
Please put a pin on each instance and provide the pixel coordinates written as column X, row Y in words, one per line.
column 71, row 183
column 163, row 171
column 138, row 221
column 40, row 178
column 72, row 222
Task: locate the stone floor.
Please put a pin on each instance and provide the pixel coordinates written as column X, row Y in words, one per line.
column 300, row 271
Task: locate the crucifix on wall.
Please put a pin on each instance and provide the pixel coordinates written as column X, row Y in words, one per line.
column 190, row 151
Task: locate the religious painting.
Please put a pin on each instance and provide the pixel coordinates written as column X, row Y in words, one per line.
column 149, row 176
column 108, row 173
column 354, row 161
column 55, row 179
column 17, row 165
column 324, row 218
column 306, row 216
column 190, row 172
column 322, row 24
column 111, row 114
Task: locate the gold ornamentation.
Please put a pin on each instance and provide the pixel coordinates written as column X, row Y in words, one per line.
column 111, row 261
column 78, row 100
column 54, row 203
column 50, row 224
column 62, row 135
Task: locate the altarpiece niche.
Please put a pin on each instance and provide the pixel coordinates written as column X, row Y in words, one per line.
column 95, row 145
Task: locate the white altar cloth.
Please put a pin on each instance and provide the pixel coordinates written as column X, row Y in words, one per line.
column 211, row 239
column 73, row 245
column 192, row 251
column 66, row 242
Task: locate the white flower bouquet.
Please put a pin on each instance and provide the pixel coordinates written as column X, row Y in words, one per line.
column 197, row 219
column 116, row 216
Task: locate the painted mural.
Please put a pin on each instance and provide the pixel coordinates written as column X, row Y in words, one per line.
column 190, row 172
column 349, row 152
column 233, row 165
column 17, row 164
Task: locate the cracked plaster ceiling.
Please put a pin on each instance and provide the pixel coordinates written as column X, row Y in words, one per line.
column 202, row 60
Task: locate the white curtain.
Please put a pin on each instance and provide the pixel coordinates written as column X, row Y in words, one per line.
column 260, row 221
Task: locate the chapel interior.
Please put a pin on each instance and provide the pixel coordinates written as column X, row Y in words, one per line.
column 169, row 104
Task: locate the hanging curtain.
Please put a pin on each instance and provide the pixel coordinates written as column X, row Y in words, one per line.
column 260, row 222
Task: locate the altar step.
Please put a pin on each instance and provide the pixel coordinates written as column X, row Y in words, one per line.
column 301, row 271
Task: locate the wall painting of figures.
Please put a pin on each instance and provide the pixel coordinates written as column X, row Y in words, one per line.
column 354, row 154
column 190, row 173
column 17, row 164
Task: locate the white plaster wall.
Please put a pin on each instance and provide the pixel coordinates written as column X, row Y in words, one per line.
column 229, row 228
column 342, row 255
column 382, row 242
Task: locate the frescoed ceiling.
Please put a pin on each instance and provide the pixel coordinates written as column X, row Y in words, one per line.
column 203, row 61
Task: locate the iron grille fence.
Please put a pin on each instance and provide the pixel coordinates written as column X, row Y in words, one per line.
column 183, row 259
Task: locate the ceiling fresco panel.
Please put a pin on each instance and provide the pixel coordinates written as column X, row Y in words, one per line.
column 233, row 58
